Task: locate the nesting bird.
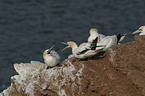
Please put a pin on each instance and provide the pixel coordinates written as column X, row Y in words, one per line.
column 141, row 31
column 84, row 50
column 108, row 41
column 51, row 57
column 96, row 43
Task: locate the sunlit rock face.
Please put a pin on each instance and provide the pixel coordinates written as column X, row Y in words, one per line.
column 120, row 73
column 35, row 79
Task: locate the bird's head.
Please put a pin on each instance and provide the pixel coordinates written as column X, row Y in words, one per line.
column 93, row 34
column 47, row 51
column 71, row 44
column 140, row 30
column 93, row 31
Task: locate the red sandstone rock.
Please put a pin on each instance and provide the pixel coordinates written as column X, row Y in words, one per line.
column 120, row 73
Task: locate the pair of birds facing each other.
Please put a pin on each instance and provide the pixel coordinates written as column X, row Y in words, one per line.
column 96, row 43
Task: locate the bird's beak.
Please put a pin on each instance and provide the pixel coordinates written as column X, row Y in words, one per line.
column 51, row 47
column 63, row 43
column 65, row 48
column 137, row 31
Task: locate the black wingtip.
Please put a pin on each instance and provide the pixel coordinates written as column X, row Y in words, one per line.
column 94, row 44
column 118, row 37
column 82, row 52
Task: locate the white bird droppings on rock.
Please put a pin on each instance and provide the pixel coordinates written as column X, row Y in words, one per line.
column 34, row 77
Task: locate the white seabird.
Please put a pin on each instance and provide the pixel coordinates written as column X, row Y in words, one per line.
column 108, row 41
column 141, row 31
column 71, row 55
column 84, row 50
column 93, row 34
column 51, row 58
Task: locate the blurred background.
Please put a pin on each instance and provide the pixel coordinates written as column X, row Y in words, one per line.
column 28, row 27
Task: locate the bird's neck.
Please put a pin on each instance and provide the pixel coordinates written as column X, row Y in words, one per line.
column 94, row 34
column 44, row 54
column 74, row 47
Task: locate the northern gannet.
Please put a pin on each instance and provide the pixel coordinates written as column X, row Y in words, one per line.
column 51, row 58
column 84, row 50
column 93, row 34
column 141, row 31
column 108, row 41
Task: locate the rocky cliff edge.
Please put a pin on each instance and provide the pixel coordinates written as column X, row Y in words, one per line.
column 120, row 73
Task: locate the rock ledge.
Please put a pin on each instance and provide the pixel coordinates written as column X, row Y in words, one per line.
column 120, row 73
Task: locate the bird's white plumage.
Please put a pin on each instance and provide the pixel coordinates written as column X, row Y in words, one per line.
column 51, row 59
column 93, row 34
column 101, row 36
column 108, row 41
column 88, row 53
column 100, row 41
